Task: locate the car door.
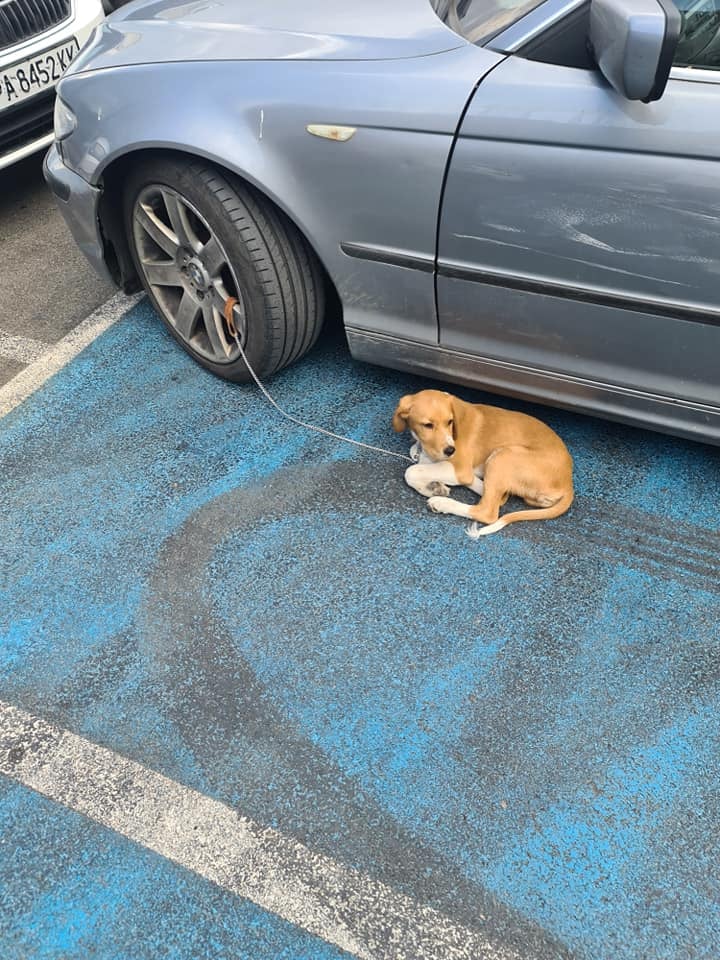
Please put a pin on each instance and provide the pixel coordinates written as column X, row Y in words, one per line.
column 579, row 237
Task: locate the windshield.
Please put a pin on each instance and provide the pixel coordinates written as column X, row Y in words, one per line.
column 479, row 20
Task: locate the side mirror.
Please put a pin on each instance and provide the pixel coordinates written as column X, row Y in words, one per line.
column 633, row 43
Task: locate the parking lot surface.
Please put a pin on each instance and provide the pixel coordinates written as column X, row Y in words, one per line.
column 47, row 284
column 435, row 746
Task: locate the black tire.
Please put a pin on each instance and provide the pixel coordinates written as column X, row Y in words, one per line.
column 268, row 266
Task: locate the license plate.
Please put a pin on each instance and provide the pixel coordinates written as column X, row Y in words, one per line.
column 24, row 79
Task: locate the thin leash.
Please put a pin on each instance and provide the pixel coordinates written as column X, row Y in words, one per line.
column 229, row 319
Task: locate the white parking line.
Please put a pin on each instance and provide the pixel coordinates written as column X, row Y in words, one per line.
column 274, row 871
column 22, row 349
column 48, row 363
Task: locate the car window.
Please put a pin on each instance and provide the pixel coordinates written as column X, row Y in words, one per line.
column 479, row 20
column 699, row 44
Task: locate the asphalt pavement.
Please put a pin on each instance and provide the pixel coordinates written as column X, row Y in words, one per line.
column 46, row 284
column 257, row 702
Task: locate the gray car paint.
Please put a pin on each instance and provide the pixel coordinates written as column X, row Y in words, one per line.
column 381, row 188
column 165, row 30
column 596, row 200
column 78, row 203
column 528, row 175
column 628, row 38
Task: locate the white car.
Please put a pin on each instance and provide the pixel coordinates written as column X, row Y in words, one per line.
column 38, row 40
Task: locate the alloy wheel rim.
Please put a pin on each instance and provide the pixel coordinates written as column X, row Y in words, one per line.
column 190, row 276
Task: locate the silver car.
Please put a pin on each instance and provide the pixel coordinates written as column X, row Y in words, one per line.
column 517, row 195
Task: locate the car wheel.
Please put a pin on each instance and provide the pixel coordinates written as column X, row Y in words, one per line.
column 198, row 238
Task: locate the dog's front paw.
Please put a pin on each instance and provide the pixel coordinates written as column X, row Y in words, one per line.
column 438, row 489
column 415, row 452
column 441, row 504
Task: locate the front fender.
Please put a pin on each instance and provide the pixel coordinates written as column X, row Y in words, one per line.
column 380, row 189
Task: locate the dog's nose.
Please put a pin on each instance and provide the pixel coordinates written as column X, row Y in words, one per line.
column 449, row 451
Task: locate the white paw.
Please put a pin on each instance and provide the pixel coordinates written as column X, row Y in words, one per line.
column 475, row 530
column 441, row 505
column 415, row 452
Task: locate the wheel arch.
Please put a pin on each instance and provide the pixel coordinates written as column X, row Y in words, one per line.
column 380, row 191
column 117, row 250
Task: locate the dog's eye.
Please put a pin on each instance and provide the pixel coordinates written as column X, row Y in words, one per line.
column 427, row 426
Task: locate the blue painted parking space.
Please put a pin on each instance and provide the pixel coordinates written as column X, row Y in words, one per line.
column 520, row 732
column 85, row 892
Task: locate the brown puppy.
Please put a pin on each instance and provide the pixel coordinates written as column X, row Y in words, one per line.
column 495, row 452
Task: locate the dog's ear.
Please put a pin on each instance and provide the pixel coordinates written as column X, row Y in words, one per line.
column 402, row 412
column 458, row 411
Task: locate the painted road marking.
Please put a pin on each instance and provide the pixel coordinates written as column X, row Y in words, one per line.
column 539, row 765
column 340, row 905
column 46, row 364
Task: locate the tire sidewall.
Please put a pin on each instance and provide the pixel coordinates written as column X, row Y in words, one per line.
column 184, row 178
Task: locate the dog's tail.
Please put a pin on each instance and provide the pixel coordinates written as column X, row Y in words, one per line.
column 475, row 530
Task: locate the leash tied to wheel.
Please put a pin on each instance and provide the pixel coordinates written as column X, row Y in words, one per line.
column 230, row 304
column 228, row 315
